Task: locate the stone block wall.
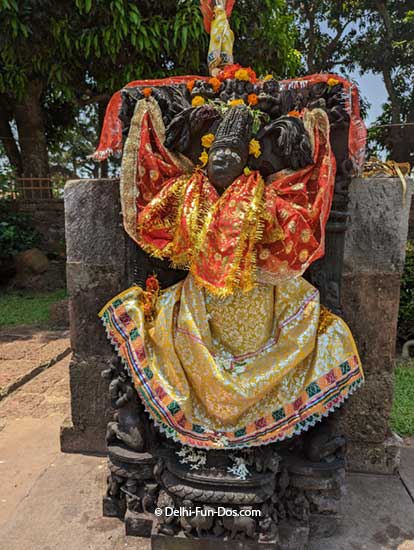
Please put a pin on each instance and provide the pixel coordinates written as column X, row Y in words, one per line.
column 97, row 269
column 48, row 218
column 374, row 259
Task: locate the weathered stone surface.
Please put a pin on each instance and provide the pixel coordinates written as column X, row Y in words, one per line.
column 90, row 287
column 374, row 258
column 324, row 525
column 376, row 458
column 370, row 302
column 376, row 237
column 365, row 417
column 93, row 223
column 137, row 525
column 89, row 405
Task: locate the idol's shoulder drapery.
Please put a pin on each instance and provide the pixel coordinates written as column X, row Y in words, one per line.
column 273, row 229
column 249, row 369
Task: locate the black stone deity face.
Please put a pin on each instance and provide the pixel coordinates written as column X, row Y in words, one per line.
column 230, row 150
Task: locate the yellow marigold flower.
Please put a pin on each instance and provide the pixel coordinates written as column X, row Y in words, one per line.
column 198, row 101
column 203, row 158
column 246, row 171
column 207, row 140
column 242, row 74
column 234, row 102
column 332, row 82
column 268, row 77
column 254, row 148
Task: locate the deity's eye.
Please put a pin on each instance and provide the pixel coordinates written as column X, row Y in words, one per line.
column 227, row 151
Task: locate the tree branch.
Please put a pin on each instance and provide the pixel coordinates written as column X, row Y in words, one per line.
column 331, row 47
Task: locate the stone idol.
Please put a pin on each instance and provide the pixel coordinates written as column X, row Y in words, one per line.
column 232, row 351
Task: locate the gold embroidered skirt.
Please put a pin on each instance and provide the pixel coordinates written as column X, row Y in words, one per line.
column 248, row 369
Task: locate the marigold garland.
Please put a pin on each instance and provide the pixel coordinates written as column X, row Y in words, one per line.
column 254, row 148
column 203, row 158
column 207, row 140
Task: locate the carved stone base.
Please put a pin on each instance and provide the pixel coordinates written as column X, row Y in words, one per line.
column 138, row 525
column 132, row 491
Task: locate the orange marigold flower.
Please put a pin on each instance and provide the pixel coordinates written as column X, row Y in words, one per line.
column 215, row 84
column 332, row 82
column 152, row 284
column 190, row 85
column 294, row 113
column 252, row 99
column 147, row 92
column 197, row 101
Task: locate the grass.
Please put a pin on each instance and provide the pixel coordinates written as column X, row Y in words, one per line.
column 402, row 416
column 23, row 308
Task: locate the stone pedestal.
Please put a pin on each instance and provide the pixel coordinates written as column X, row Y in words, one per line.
column 98, row 251
column 374, row 259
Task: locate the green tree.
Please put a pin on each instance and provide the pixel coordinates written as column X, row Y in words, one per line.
column 56, row 57
column 385, row 45
column 371, row 36
column 326, row 31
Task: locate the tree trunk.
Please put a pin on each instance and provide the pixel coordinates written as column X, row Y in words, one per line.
column 33, row 144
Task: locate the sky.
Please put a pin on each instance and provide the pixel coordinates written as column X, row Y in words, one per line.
column 373, row 89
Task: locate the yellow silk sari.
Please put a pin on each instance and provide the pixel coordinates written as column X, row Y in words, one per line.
column 248, row 369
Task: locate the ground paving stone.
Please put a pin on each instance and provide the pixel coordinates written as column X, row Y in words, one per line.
column 26, row 351
column 407, row 470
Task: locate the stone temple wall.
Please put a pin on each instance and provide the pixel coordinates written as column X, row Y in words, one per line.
column 47, row 217
column 97, row 269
